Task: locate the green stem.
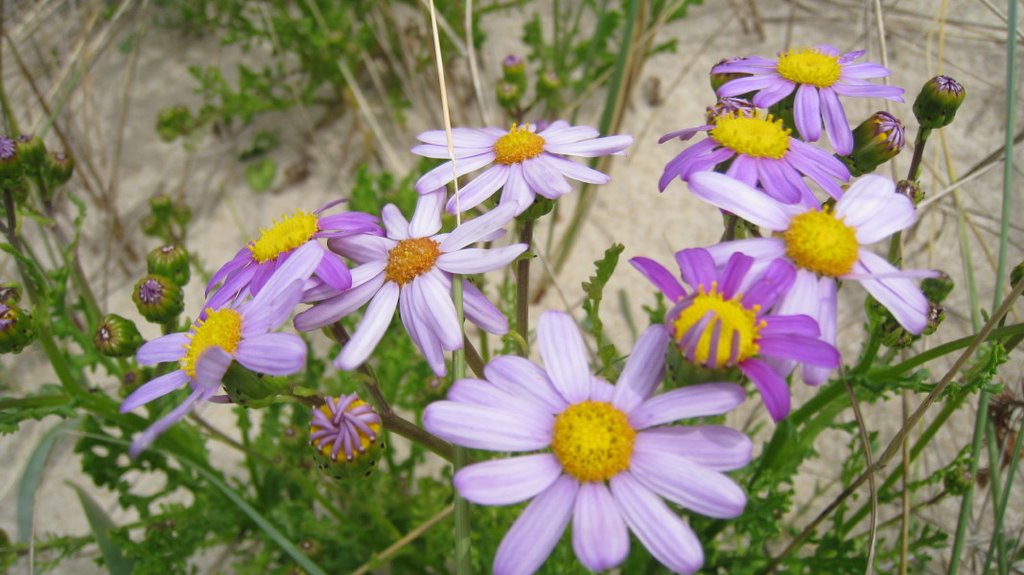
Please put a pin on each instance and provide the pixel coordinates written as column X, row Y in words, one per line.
column 1004, row 499
column 915, row 161
column 1008, row 333
column 463, row 551
column 523, row 287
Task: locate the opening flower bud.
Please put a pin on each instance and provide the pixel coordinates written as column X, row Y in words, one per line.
column 345, row 433
column 513, row 71
column 117, row 337
column 875, row 141
column 158, row 299
column 937, row 102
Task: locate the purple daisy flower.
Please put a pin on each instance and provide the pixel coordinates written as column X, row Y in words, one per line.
column 825, row 244
column 253, row 265
column 239, row 330
column 761, row 150
column 611, row 458
column 716, row 325
column 411, row 269
column 819, row 76
column 525, row 161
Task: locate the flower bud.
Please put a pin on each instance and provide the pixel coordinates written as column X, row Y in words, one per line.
column 875, row 141
column 247, row 389
column 158, row 299
column 548, row 84
column 936, row 289
column 130, row 381
column 720, row 78
column 32, row 151
column 117, row 337
column 726, row 106
column 937, row 102
column 1016, row 274
column 170, row 261
column 911, row 189
column 508, row 94
column 58, row 168
column 936, row 315
column 346, row 437
column 513, row 71
column 10, row 165
column 10, row 293
column 16, row 329
column 161, row 206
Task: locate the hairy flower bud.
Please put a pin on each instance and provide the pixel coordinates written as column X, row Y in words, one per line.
column 10, row 165
column 508, row 94
column 16, row 329
column 875, row 141
column 548, row 84
column 170, row 261
column 117, row 337
column 32, row 151
column 346, row 437
column 58, row 168
column 937, row 102
column 158, row 299
column 513, row 71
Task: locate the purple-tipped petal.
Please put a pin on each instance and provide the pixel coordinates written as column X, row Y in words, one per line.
column 272, row 353
column 781, row 325
column 660, row 277
column 490, row 428
column 564, row 355
column 734, row 274
column 371, row 329
column 686, row 402
column 746, row 84
column 771, row 385
column 154, row 388
column 507, row 481
column 773, row 94
column 778, row 278
column 644, row 369
column 537, row 530
column 716, row 447
column 736, row 197
column 659, row 529
column 694, row 487
column 521, row 377
column 170, row 347
column 260, row 315
column 697, row 268
column 599, row 535
column 161, row 425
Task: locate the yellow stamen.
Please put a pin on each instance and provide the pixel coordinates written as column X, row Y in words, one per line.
column 752, row 135
column 737, row 322
column 517, row 145
column 820, row 242
column 809, row 66
column 286, row 235
column 411, row 258
column 593, row 440
column 221, row 328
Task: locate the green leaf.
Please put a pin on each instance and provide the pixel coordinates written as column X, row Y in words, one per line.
column 260, row 175
column 50, row 399
column 594, row 290
column 101, row 525
column 33, row 475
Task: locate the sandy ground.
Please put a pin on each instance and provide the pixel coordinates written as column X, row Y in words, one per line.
column 671, row 93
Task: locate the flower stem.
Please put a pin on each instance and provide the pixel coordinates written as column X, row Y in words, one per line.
column 463, row 558
column 523, row 288
column 915, row 161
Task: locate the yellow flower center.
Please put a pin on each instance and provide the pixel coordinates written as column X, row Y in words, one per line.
column 221, row 328
column 411, row 258
column 752, row 135
column 286, row 235
column 327, row 445
column 737, row 323
column 593, row 440
column 820, row 242
column 809, row 66
column 517, row 145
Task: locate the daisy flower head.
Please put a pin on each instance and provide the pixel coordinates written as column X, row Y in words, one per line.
column 761, row 151
column 410, row 268
column 346, row 435
column 253, row 265
column 239, row 330
column 608, row 456
column 825, row 244
column 523, row 160
column 723, row 321
column 818, row 76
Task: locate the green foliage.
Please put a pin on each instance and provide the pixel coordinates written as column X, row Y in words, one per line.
column 48, row 400
column 594, row 292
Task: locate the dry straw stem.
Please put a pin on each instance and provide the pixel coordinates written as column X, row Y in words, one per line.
column 895, row 444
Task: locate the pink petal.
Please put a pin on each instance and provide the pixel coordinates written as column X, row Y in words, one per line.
column 507, row 481
column 734, row 196
column 713, row 446
column 272, row 353
column 170, row 347
column 490, row 428
column 599, row 535
column 688, row 484
column 371, row 329
column 537, row 530
column 154, row 388
column 564, row 355
column 686, row 402
column 523, row 378
column 644, row 369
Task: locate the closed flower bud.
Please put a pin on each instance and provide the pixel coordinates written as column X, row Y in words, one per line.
column 16, row 329
column 936, row 289
column 937, row 102
column 346, row 437
column 508, row 94
column 911, row 189
column 719, row 78
column 513, row 71
column 58, row 168
column 117, row 337
column 875, row 141
column 170, row 261
column 158, row 299
column 33, row 154
column 161, row 206
column 10, row 165
column 548, row 84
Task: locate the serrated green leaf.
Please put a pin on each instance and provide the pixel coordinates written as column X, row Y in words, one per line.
column 101, row 525
column 594, row 290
